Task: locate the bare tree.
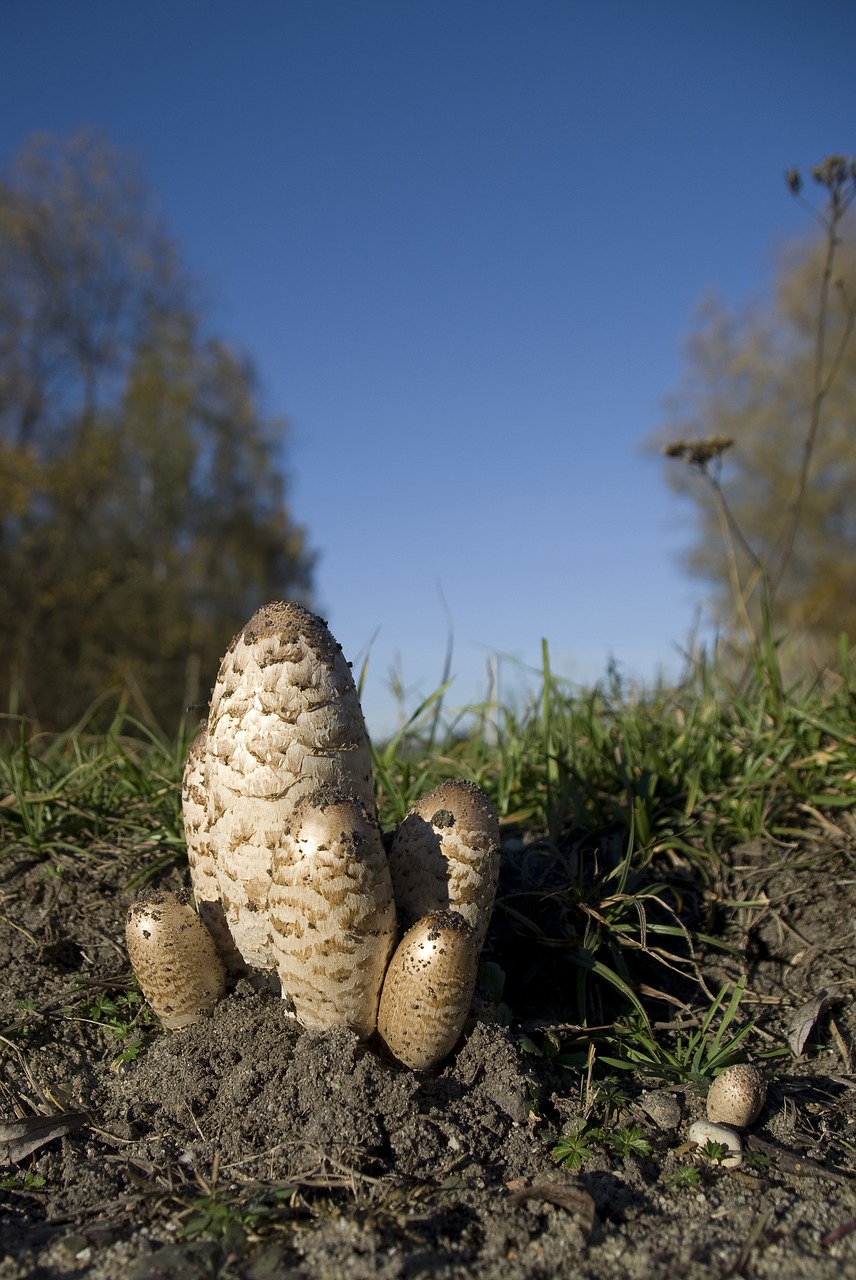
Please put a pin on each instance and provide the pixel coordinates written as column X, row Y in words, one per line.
column 766, row 425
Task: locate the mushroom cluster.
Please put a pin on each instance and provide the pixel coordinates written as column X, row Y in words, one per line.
column 734, row 1102
column 294, row 888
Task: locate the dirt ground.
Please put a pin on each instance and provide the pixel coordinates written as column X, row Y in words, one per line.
column 245, row 1147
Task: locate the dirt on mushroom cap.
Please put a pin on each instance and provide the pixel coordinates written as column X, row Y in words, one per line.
column 174, row 958
column 428, row 989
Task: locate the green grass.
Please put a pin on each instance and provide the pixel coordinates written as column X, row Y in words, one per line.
column 678, row 770
column 122, row 1016
column 635, row 801
column 83, row 796
column 695, row 1055
column 618, row 810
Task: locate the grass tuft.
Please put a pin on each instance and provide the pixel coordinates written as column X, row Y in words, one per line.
column 618, row 810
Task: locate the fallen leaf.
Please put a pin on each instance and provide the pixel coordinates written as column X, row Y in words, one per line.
column 20, row 1138
column 805, row 1018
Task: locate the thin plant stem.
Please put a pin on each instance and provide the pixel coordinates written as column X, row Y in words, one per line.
column 821, row 388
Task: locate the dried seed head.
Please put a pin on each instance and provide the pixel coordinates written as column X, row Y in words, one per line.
column 284, row 720
column 174, row 958
column 698, row 453
column 445, row 856
column 428, row 990
column 332, row 913
column 737, row 1096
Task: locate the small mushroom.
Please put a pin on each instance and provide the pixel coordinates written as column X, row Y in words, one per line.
column 701, row 1132
column 736, row 1096
column 332, row 913
column 428, row 989
column 284, row 720
column 445, row 856
column 174, row 958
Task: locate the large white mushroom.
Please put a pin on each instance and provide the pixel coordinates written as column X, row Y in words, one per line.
column 284, row 720
column 203, row 869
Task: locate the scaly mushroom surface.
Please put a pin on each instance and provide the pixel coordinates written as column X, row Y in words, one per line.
column 284, row 720
column 428, row 989
column 332, row 913
column 736, row 1096
column 174, row 958
column 288, row 866
column 445, row 856
column 203, row 869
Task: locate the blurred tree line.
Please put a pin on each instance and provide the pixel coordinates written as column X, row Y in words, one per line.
column 142, row 501
column 766, row 422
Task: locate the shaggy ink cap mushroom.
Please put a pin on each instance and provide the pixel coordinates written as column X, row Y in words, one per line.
column 428, row 990
column 332, row 913
column 445, row 856
column 284, row 721
column 174, row 958
column 203, row 868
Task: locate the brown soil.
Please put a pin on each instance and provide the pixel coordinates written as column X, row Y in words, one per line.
column 245, row 1147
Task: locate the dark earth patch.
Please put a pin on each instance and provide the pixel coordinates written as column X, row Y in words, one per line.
column 245, row 1147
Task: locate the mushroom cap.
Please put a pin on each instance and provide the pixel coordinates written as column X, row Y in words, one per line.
column 332, row 913
column 445, row 856
column 285, row 718
column 704, row 1131
column 174, row 958
column 428, row 989
column 736, row 1096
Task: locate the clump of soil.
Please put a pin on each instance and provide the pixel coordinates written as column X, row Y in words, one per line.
column 247, row 1147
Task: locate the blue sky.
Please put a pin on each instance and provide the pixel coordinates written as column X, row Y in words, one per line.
column 463, row 242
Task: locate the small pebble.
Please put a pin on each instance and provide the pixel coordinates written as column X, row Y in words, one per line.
column 663, row 1108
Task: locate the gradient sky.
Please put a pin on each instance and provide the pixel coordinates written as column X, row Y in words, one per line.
column 463, row 241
